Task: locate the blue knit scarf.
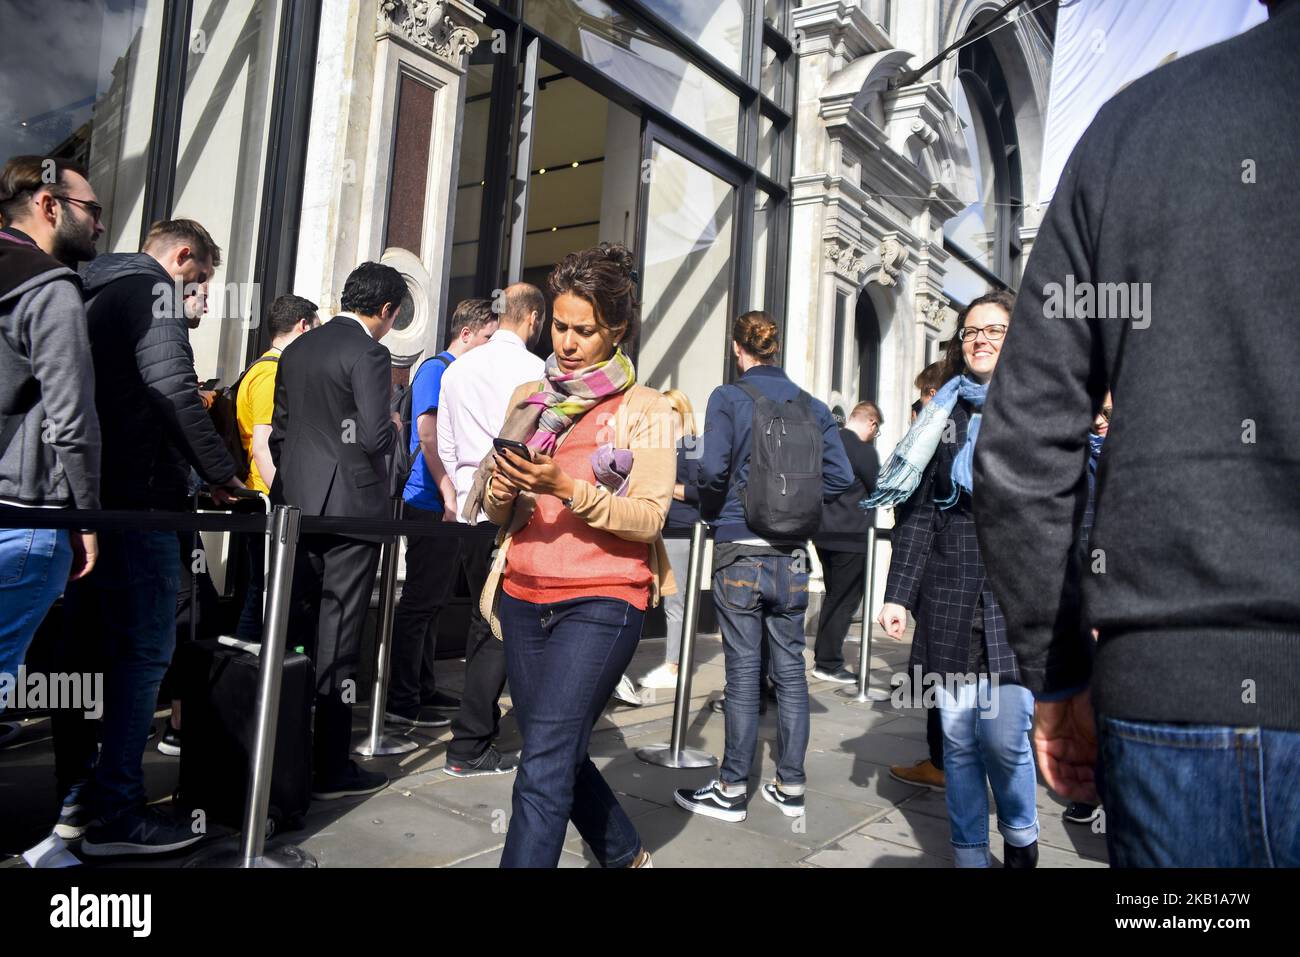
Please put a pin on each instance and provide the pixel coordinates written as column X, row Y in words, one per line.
column 902, row 472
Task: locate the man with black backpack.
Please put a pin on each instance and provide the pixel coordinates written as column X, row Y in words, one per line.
column 431, row 563
column 772, row 458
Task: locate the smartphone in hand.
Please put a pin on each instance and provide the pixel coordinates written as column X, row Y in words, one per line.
column 521, row 450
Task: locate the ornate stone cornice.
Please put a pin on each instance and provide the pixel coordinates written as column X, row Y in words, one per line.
column 929, row 311
column 892, row 256
column 846, row 258
column 443, row 28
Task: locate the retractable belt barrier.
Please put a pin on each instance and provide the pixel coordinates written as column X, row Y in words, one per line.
column 284, row 527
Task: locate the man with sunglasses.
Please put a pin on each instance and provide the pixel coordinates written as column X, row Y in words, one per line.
column 49, row 435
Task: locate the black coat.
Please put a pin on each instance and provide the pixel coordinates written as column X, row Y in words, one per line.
column 843, row 517
column 937, row 573
column 152, row 422
column 332, row 436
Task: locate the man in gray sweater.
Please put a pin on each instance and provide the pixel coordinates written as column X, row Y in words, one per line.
column 1166, row 272
column 49, row 434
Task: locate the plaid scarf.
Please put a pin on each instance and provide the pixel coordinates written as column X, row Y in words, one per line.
column 566, row 396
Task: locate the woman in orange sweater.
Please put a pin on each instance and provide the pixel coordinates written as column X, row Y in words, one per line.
column 581, row 555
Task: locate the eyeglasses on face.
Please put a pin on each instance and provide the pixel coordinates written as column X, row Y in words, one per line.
column 991, row 333
column 95, row 209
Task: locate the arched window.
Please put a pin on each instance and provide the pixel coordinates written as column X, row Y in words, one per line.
column 984, row 238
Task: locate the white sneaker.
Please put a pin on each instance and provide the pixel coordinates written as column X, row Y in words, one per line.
column 627, row 693
column 665, row 676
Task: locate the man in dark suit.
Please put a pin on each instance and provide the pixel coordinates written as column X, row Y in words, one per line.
column 332, row 438
column 842, row 544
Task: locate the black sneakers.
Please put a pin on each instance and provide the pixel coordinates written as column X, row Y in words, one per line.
column 146, row 830
column 841, row 675
column 490, row 761
column 791, row 805
column 171, row 742
column 1080, row 813
column 422, row 717
column 711, row 802
column 352, row 781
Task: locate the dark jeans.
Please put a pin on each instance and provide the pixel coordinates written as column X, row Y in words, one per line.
column 845, row 574
column 432, row 564
column 763, row 598
column 564, row 661
column 251, row 616
column 479, row 718
column 1179, row 795
column 120, row 621
column 934, row 736
column 333, row 579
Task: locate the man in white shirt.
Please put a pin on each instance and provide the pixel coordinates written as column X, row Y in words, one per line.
column 473, row 402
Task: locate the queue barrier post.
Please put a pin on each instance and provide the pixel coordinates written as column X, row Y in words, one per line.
column 676, row 754
column 376, row 743
column 863, row 693
column 252, row 850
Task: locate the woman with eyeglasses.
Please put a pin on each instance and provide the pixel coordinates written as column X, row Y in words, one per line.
column 937, row 574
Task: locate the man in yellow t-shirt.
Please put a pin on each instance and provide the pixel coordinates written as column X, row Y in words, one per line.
column 289, row 318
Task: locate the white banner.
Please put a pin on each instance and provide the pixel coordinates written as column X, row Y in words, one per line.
column 1104, row 45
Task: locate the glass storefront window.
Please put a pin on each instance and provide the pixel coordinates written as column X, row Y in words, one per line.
column 686, row 289
column 763, row 222
column 773, row 12
column 769, row 140
column 769, row 78
column 85, row 92
column 717, row 26
column 633, row 56
column 974, row 229
column 961, row 283
column 473, row 169
column 220, row 165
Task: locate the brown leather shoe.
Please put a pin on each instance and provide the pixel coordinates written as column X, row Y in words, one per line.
column 923, row 774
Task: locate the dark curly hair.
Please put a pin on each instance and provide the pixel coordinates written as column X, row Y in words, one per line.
column 953, row 357
column 605, row 277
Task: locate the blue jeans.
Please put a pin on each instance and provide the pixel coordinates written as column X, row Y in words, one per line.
column 986, row 737
column 121, row 621
column 563, row 662
column 34, row 566
column 763, row 597
column 1180, row 795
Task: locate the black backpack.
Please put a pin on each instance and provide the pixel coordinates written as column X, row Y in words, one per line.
column 783, row 495
column 224, row 413
column 404, row 461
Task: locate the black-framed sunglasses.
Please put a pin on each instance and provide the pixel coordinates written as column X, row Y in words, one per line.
column 95, row 209
column 991, row 333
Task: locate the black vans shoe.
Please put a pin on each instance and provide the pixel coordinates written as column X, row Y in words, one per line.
column 791, row 805
column 711, row 802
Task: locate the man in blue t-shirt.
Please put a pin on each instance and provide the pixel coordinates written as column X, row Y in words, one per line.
column 431, row 563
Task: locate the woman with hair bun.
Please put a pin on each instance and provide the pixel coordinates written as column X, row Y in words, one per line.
column 581, row 556
column 760, row 585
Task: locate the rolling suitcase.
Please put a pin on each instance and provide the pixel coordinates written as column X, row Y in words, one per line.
column 219, row 688
column 219, row 682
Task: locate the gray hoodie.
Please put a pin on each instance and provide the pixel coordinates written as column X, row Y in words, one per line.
column 47, row 384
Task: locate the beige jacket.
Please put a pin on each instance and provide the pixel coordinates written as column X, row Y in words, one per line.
column 644, row 423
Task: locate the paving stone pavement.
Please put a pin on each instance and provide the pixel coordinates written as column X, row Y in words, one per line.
column 857, row 815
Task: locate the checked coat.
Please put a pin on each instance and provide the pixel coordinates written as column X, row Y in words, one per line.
column 936, row 571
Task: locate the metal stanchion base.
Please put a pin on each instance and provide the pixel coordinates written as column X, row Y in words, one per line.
column 664, row 756
column 387, row 745
column 873, row 694
column 230, row 855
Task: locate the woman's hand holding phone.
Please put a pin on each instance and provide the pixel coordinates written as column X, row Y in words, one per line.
column 541, row 476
